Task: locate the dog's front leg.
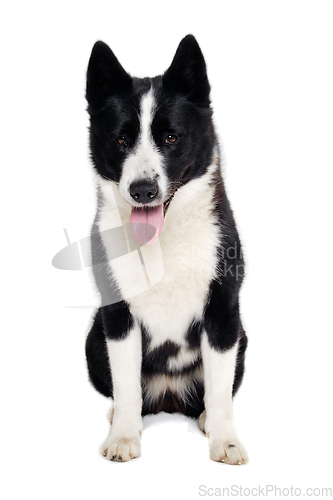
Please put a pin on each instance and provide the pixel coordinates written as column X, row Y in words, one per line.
column 219, row 353
column 125, row 355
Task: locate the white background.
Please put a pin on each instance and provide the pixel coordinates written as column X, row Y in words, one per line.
column 270, row 67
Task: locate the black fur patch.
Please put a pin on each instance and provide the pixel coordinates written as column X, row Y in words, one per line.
column 193, row 335
column 242, row 345
column 98, row 359
column 117, row 320
column 155, row 361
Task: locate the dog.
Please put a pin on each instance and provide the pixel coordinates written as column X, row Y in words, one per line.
column 176, row 344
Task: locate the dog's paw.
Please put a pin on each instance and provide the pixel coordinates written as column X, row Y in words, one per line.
column 230, row 452
column 121, row 449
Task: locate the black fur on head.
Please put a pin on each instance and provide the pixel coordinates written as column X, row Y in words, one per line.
column 105, row 77
column 182, row 108
column 187, row 74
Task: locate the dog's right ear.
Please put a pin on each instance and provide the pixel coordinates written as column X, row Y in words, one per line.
column 187, row 73
column 105, row 77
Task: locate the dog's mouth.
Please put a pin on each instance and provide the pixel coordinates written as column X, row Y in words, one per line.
column 147, row 222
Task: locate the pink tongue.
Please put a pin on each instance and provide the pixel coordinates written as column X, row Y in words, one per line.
column 146, row 224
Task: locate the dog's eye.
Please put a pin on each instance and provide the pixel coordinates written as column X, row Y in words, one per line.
column 122, row 140
column 170, row 139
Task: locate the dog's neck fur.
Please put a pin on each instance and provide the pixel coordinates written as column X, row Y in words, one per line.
column 186, row 253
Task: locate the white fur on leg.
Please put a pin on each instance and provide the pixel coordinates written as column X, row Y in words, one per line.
column 219, row 373
column 123, row 442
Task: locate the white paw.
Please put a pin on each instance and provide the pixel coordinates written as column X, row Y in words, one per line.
column 229, row 451
column 121, row 449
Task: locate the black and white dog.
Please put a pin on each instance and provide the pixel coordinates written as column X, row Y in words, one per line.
column 168, row 335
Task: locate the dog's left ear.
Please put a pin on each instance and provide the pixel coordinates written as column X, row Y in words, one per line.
column 105, row 76
column 187, row 73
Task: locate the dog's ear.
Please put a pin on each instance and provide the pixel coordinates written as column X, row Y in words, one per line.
column 105, row 76
column 187, row 73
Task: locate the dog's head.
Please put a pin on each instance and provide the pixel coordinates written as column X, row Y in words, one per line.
column 151, row 135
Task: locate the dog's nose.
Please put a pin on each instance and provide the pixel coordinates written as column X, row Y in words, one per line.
column 143, row 191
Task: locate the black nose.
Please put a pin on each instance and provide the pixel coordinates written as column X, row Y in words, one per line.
column 143, row 191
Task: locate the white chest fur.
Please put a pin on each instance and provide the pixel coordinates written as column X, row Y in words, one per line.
column 166, row 287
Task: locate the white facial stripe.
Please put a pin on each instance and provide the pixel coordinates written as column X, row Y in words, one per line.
column 145, row 162
column 147, row 114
